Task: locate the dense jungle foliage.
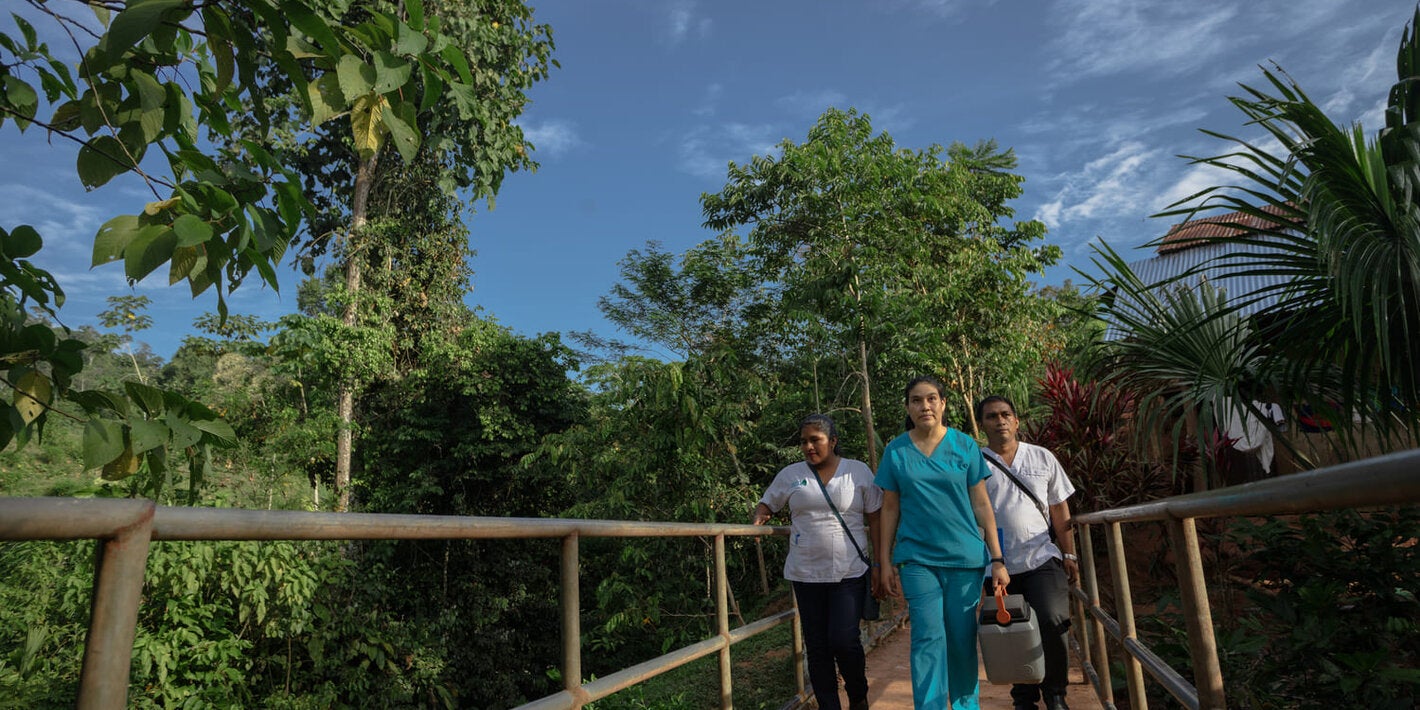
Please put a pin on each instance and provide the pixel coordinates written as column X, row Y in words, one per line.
column 348, row 138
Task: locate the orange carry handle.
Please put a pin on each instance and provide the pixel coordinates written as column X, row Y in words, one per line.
column 1003, row 617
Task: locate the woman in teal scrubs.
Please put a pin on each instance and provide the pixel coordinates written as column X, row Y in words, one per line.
column 931, row 549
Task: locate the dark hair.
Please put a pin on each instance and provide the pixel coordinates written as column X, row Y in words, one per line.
column 907, row 393
column 981, row 406
column 823, row 423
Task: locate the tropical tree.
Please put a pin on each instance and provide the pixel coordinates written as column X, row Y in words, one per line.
column 690, row 307
column 1331, row 216
column 872, row 247
column 193, row 81
column 382, row 169
column 127, row 313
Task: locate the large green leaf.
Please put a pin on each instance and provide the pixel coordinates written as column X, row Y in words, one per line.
column 191, row 230
column 103, row 442
column 356, row 77
column 410, row 41
column 187, row 262
column 326, row 99
column 67, row 117
column 218, row 429
column 184, row 433
column 147, row 435
column 20, row 96
column 21, row 242
column 178, row 116
column 137, row 20
column 113, row 238
column 152, row 105
column 95, row 401
column 152, row 247
column 433, row 88
column 102, row 159
column 406, row 139
column 415, row 8
column 219, row 30
column 148, row 398
column 454, row 56
column 314, row 26
column 391, row 72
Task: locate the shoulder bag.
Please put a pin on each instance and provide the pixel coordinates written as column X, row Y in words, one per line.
column 1049, row 526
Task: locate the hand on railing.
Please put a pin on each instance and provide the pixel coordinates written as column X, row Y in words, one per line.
column 761, row 514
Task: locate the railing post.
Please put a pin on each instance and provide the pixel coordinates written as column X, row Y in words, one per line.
column 722, row 625
column 1202, row 646
column 119, row 564
column 1079, row 616
column 1077, row 606
column 572, row 621
column 1124, row 602
column 1092, row 590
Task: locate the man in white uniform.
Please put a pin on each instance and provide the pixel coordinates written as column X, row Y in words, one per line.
column 1041, row 564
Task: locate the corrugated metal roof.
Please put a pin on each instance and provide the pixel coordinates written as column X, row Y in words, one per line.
column 1198, row 232
column 1171, row 264
column 1193, row 246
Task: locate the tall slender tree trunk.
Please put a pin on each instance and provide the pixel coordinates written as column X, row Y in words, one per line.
column 867, row 404
column 345, row 408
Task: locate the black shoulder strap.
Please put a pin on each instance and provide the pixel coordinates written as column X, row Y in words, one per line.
column 824, row 489
column 1029, row 493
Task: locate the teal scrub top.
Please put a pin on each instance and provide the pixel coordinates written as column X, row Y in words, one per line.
column 936, row 525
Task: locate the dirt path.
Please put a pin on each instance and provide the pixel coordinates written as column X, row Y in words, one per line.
column 890, row 681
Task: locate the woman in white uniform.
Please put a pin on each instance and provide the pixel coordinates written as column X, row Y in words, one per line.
column 827, row 570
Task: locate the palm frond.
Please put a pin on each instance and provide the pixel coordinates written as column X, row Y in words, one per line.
column 1344, row 236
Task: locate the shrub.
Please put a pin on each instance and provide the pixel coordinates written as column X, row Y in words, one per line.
column 1087, row 430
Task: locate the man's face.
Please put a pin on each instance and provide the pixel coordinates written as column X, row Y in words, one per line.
column 1000, row 423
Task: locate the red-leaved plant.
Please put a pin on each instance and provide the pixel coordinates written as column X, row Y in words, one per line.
column 1088, row 431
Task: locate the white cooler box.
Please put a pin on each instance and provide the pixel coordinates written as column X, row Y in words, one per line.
column 1011, row 652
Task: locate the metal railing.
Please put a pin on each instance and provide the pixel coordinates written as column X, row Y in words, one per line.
column 124, row 529
column 1385, row 480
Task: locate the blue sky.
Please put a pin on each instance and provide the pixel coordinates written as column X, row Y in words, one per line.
column 655, row 97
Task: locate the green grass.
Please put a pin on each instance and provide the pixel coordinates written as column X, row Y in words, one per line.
column 762, row 675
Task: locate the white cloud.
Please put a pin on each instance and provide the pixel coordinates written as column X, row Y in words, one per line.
column 684, row 21
column 706, row 151
column 552, row 138
column 896, row 118
column 1194, row 180
column 62, row 223
column 1104, row 37
column 1202, row 176
column 1356, row 82
column 710, row 102
column 1114, row 185
column 812, row 102
column 941, row 8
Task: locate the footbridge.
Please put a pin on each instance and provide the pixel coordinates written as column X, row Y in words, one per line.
column 124, row 529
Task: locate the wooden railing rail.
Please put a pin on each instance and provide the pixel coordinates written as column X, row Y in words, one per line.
column 1393, row 479
column 124, row 529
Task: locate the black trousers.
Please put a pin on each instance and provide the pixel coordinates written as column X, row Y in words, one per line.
column 829, row 614
column 1047, row 591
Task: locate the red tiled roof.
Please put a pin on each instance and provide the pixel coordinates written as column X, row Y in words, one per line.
column 1197, row 232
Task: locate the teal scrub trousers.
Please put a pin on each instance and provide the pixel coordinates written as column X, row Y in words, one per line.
column 942, row 603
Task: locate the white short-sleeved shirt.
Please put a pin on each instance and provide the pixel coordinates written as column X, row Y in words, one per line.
column 818, row 549
column 1024, row 533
